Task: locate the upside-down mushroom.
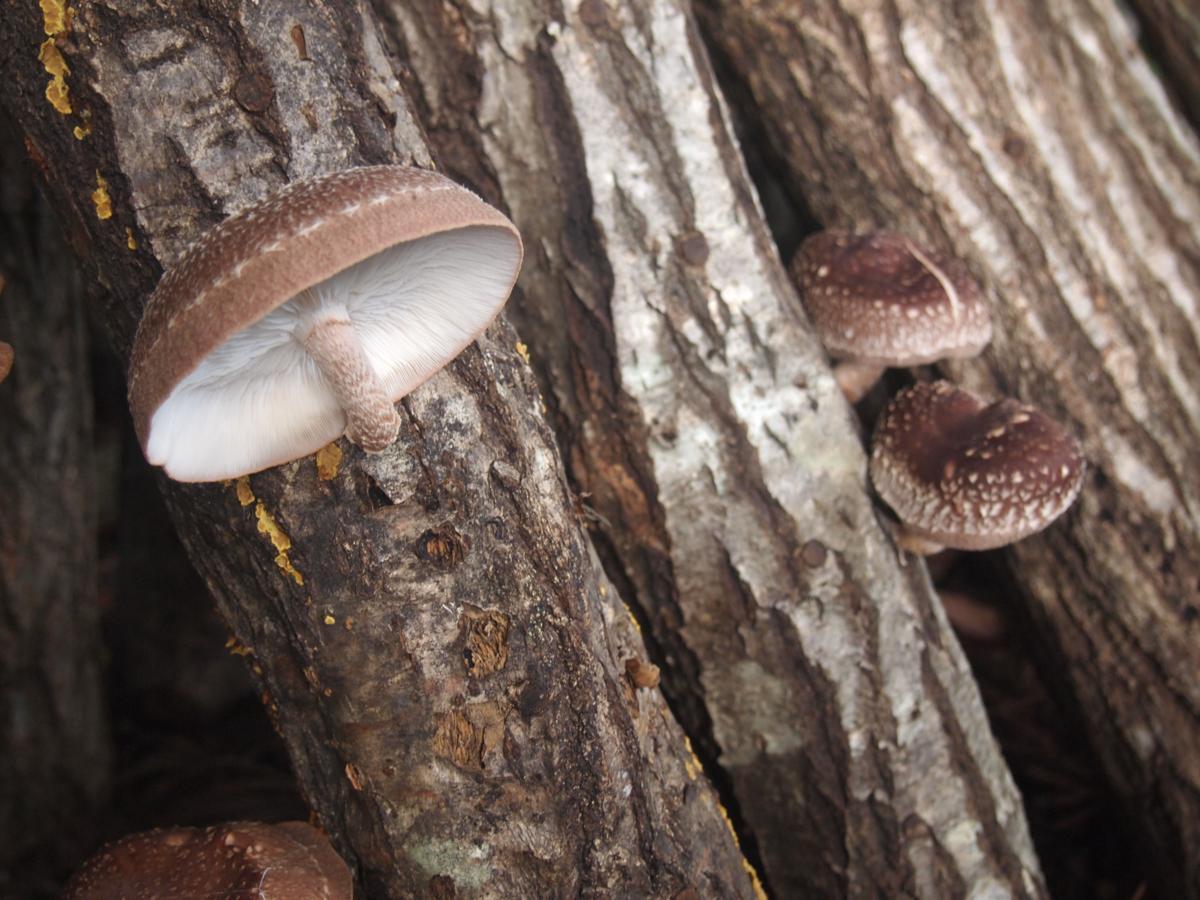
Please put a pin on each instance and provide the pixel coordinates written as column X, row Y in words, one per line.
column 309, row 314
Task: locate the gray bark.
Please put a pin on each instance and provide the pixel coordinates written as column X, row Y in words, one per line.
column 55, row 763
column 703, row 426
column 435, row 642
column 1036, row 142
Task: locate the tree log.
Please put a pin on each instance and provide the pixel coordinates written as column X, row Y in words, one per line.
column 702, row 423
column 440, row 651
column 55, row 764
column 1037, row 144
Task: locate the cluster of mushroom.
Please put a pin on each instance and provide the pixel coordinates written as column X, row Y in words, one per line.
column 310, row 314
column 958, row 470
column 286, row 861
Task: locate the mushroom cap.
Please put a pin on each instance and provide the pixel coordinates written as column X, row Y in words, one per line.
column 219, row 382
column 872, row 298
column 288, row 861
column 962, row 472
column 6, row 360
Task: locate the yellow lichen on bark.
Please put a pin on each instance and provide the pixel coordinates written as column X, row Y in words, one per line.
column 101, row 199
column 56, row 16
column 237, row 649
column 759, row 893
column 130, row 240
column 279, row 539
column 691, row 765
column 84, row 129
column 56, row 91
column 629, row 612
column 244, row 494
column 329, row 459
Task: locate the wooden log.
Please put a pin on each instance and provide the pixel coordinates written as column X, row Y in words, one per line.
column 439, row 650
column 1036, row 142
column 725, row 477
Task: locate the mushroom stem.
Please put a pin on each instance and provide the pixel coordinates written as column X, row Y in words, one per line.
column 972, row 617
column 917, row 545
column 856, row 378
column 371, row 419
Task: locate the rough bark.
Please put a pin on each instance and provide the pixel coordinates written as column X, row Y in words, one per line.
column 54, row 766
column 725, row 478
column 438, row 648
column 1036, row 143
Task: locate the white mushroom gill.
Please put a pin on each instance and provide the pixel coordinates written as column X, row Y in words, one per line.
column 260, row 398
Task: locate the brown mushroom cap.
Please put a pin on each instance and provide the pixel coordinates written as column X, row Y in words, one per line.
column 237, row 861
column 962, row 472
column 882, row 299
column 219, row 382
column 6, row 360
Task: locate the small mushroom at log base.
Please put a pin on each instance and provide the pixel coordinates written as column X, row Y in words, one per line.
column 879, row 300
column 237, row 861
column 309, row 314
column 962, row 472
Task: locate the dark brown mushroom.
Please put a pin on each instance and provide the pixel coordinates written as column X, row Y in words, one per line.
column 963, row 472
column 237, row 861
column 880, row 300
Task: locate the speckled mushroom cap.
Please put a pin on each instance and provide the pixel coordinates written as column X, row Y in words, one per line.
column 288, row 861
column 220, row 385
column 881, row 299
column 962, row 472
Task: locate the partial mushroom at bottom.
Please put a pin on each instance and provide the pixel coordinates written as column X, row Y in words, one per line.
column 239, row 861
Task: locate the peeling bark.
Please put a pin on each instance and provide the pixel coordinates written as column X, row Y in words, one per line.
column 437, row 646
column 55, row 764
column 1035, row 142
column 725, row 478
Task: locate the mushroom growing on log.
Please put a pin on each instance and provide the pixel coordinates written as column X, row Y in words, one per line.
column 309, row 314
column 879, row 300
column 962, row 472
